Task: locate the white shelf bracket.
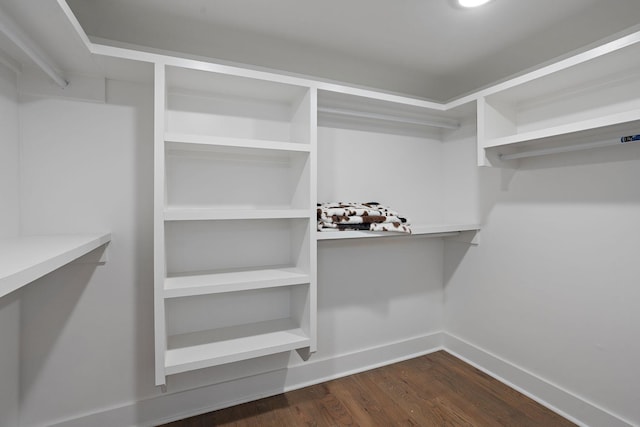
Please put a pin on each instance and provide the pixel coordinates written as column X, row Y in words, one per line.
column 31, row 49
column 471, row 237
column 98, row 256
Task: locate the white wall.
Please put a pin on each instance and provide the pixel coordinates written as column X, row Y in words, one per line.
column 553, row 285
column 9, row 359
column 9, row 155
column 376, row 292
column 9, row 226
column 87, row 335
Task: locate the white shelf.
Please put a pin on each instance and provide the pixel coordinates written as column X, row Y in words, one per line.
column 232, row 281
column 587, row 99
column 25, row 259
column 336, row 108
column 578, row 129
column 202, row 79
column 203, row 349
column 195, row 142
column 204, row 214
column 441, row 230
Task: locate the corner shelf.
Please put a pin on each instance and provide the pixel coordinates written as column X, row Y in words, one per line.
column 588, row 100
column 25, row 259
column 443, row 230
column 619, row 122
column 233, row 281
column 203, row 349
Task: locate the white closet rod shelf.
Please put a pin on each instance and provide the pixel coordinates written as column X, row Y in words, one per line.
column 25, row 259
column 564, row 149
column 31, row 49
column 626, row 119
column 432, row 122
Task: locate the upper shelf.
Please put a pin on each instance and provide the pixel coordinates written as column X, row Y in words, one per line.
column 623, row 122
column 205, row 83
column 25, row 259
column 336, row 109
column 585, row 99
column 438, row 230
column 211, row 108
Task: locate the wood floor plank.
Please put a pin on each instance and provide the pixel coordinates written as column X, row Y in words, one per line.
column 433, row 390
column 413, row 403
column 524, row 411
column 441, row 409
column 304, row 410
column 385, row 410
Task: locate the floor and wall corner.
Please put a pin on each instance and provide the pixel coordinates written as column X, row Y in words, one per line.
column 545, row 298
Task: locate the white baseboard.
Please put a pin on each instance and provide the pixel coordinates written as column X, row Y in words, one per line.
column 174, row 406
column 568, row 405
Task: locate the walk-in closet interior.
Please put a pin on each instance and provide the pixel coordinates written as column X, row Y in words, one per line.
column 208, row 202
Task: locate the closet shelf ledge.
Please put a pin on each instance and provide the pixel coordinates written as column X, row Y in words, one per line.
column 425, row 230
column 25, row 259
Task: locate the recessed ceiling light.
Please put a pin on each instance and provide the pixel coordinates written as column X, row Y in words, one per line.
column 472, row 3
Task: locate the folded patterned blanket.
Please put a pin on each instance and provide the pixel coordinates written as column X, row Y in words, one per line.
column 392, row 226
column 361, row 219
column 351, row 208
column 360, row 216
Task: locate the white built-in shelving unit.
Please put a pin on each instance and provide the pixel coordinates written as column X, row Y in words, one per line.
column 27, row 258
column 242, row 157
column 238, row 166
column 584, row 100
column 235, row 257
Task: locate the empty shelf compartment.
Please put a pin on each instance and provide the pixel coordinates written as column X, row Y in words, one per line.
column 231, row 344
column 233, row 281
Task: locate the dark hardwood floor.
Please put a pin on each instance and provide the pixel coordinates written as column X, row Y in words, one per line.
column 433, row 390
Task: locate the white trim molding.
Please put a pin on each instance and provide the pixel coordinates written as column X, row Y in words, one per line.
column 165, row 408
column 563, row 402
column 169, row 407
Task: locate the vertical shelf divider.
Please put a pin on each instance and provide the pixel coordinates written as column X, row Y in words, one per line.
column 159, row 263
